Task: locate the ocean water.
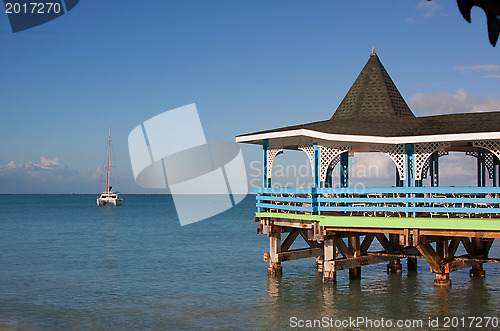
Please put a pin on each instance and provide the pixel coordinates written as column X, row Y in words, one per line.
column 66, row 264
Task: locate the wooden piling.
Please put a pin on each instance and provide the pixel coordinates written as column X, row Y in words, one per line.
column 355, row 247
column 274, row 250
column 394, row 266
column 412, row 264
column 442, row 279
column 477, row 271
column 330, row 255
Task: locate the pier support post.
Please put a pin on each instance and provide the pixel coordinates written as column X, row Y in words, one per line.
column 443, row 276
column 330, row 254
column 481, row 247
column 412, row 264
column 436, row 259
column 394, row 266
column 355, row 273
column 274, row 250
column 442, row 280
column 477, row 271
column 355, row 247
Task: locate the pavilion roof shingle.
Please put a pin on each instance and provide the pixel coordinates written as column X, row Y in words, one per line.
column 373, row 95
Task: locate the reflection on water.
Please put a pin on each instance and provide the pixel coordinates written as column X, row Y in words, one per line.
column 407, row 296
column 108, row 278
column 440, row 302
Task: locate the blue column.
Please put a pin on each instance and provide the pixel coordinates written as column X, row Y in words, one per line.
column 317, row 179
column 481, row 168
column 431, row 170
column 317, row 174
column 398, row 178
column 435, row 175
column 344, row 173
column 344, row 169
column 410, row 159
column 265, row 180
column 478, row 167
column 495, row 170
column 416, row 182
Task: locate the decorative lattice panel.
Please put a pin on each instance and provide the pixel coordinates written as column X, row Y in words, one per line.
column 271, row 155
column 330, row 155
column 490, row 163
column 491, row 145
column 309, row 150
column 489, row 159
column 422, row 153
column 396, row 153
column 427, row 164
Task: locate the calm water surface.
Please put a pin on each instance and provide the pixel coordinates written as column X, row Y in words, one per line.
column 66, row 264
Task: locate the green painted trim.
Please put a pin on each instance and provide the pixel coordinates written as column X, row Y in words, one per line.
column 470, row 224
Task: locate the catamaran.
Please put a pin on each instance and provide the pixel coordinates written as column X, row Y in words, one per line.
column 109, row 196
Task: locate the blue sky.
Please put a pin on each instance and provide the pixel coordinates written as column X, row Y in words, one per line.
column 248, row 66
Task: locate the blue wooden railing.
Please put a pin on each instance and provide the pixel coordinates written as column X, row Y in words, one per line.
column 382, row 201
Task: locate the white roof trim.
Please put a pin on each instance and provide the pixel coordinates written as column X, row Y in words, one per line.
column 370, row 139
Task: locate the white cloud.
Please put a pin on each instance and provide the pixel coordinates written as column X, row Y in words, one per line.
column 46, row 176
column 429, row 8
column 411, row 20
column 33, row 168
column 492, row 69
column 369, row 165
column 445, row 103
column 426, row 9
column 480, row 67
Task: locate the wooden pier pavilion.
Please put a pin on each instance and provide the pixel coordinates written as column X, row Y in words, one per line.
column 408, row 220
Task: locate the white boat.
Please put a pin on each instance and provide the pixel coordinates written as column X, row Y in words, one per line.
column 109, row 196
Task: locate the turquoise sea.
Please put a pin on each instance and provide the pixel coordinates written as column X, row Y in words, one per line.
column 66, row 264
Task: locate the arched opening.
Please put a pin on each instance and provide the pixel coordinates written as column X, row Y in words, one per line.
column 372, row 170
column 292, row 169
column 457, row 169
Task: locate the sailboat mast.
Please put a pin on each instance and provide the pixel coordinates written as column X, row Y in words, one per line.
column 109, row 147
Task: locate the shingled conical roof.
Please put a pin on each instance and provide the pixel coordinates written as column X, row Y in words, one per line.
column 373, row 95
column 373, row 106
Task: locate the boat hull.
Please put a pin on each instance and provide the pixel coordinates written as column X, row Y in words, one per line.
column 109, row 199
